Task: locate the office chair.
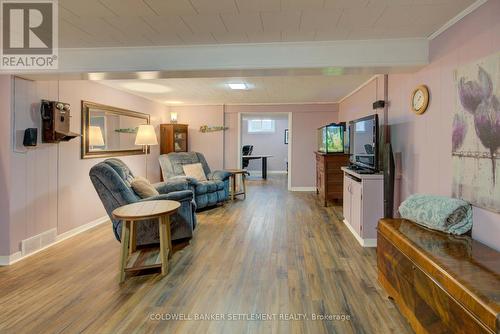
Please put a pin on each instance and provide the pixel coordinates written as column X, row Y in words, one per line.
column 246, row 150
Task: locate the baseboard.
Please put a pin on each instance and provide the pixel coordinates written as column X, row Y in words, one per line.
column 259, row 172
column 82, row 228
column 308, row 189
column 361, row 241
column 6, row 260
column 369, row 243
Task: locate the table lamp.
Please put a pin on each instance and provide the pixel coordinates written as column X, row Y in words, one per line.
column 95, row 137
column 173, row 117
column 146, row 136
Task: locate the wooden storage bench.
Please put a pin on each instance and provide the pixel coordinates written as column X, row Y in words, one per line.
column 441, row 283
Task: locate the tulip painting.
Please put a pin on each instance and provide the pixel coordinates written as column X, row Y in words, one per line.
column 459, row 131
column 476, row 133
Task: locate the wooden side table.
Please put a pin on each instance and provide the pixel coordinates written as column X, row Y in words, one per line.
column 147, row 258
column 243, row 174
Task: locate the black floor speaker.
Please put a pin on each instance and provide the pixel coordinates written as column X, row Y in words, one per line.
column 389, row 170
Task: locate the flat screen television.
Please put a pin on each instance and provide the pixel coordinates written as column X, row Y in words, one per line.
column 331, row 138
column 364, row 142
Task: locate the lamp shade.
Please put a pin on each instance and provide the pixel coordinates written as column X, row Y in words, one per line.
column 95, row 136
column 173, row 117
column 146, row 135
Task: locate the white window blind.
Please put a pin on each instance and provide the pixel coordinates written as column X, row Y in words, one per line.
column 261, row 126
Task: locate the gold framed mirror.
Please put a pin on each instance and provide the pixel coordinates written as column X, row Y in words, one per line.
column 109, row 131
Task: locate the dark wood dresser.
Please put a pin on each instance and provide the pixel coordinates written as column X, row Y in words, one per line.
column 329, row 176
column 441, row 283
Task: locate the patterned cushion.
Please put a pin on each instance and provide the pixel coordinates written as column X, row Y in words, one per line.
column 143, row 187
column 195, row 171
column 450, row 215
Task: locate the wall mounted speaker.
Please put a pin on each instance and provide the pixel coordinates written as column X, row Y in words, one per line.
column 379, row 104
column 30, row 137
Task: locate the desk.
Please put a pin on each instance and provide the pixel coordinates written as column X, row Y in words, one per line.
column 264, row 162
column 132, row 214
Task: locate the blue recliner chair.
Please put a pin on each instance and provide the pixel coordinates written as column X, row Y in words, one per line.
column 111, row 179
column 207, row 193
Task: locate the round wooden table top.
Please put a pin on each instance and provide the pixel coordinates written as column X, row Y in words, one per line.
column 145, row 210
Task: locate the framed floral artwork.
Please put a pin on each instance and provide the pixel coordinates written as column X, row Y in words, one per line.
column 476, row 133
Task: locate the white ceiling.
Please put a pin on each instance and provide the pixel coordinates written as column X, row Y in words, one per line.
column 113, row 23
column 272, row 89
column 135, row 23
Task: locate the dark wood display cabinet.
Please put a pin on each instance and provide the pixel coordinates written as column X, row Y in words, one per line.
column 173, row 138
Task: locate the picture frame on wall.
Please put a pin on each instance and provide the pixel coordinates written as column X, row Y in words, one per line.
column 475, row 143
column 286, row 136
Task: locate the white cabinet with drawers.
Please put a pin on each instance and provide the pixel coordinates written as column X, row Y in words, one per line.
column 363, row 205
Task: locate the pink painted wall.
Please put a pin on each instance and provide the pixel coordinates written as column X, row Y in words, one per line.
column 51, row 187
column 231, row 139
column 425, row 141
column 268, row 143
column 306, row 118
column 360, row 103
column 5, row 178
column 211, row 144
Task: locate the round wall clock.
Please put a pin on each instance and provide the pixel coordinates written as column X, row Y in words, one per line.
column 420, row 99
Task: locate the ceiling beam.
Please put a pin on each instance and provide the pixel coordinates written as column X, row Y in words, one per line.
column 391, row 53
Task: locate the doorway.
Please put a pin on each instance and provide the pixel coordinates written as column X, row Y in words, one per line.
column 266, row 136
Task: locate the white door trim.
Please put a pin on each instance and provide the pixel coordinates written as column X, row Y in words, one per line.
column 238, row 150
column 290, row 141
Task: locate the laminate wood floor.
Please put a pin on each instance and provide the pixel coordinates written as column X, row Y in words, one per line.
column 276, row 253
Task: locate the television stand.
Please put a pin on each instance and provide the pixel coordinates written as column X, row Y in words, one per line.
column 361, row 170
column 363, row 204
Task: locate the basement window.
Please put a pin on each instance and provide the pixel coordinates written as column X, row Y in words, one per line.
column 261, row 126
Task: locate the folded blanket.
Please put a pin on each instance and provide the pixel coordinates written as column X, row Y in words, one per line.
column 450, row 215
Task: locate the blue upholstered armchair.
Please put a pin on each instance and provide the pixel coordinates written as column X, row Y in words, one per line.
column 111, row 179
column 207, row 193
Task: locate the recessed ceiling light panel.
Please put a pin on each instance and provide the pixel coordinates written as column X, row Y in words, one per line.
column 146, row 87
column 239, row 85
